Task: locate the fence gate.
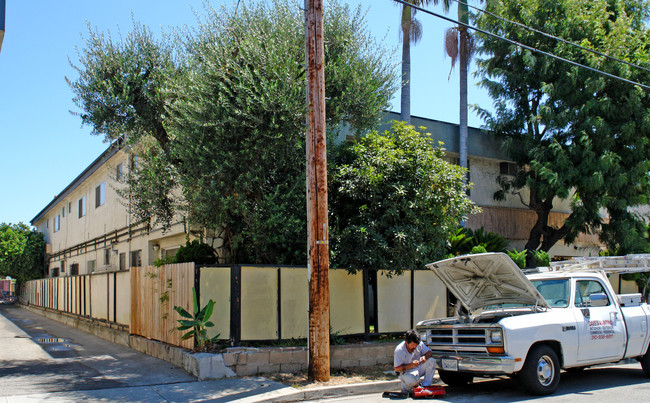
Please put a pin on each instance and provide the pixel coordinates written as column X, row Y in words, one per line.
column 154, row 293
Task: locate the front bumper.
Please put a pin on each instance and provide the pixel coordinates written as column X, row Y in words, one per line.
column 479, row 364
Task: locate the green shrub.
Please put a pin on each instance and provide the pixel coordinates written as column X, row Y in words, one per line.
column 165, row 260
column 197, row 322
column 541, row 258
column 478, row 249
column 197, row 252
column 465, row 240
column 518, row 257
column 492, row 242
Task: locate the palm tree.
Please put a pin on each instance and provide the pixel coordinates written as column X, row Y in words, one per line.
column 459, row 45
column 411, row 32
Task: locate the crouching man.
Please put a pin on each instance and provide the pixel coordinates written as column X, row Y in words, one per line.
column 411, row 361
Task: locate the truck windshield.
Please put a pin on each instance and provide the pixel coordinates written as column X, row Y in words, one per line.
column 555, row 291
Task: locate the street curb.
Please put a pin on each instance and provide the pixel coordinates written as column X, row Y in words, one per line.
column 326, row 392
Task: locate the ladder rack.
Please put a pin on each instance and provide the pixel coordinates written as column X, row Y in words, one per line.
column 635, row 263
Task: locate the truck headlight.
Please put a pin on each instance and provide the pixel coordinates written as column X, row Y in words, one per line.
column 496, row 336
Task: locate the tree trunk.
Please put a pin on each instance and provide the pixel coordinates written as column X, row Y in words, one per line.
column 405, row 107
column 542, row 235
column 464, row 61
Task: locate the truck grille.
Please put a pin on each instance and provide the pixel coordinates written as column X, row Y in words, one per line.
column 457, row 336
column 449, row 339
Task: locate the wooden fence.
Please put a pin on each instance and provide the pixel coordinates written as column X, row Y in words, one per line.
column 253, row 302
column 155, row 291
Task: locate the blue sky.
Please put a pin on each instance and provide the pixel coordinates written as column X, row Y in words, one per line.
column 44, row 147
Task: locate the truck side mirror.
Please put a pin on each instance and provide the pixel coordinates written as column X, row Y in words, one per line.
column 598, row 299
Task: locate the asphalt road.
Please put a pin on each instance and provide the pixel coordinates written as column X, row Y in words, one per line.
column 44, row 360
column 620, row 383
column 39, row 355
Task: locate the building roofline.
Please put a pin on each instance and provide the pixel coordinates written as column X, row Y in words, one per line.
column 484, row 150
column 105, row 156
column 397, row 115
column 481, row 143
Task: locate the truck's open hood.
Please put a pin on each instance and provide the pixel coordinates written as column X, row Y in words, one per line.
column 486, row 279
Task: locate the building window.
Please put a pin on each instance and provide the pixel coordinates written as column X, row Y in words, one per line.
column 74, row 269
column 91, row 266
column 55, row 272
column 118, row 172
column 508, row 168
column 122, row 265
column 170, row 252
column 136, row 258
column 47, row 223
column 99, row 195
column 62, row 266
column 69, row 207
column 57, row 224
column 107, row 257
column 63, row 212
column 82, row 207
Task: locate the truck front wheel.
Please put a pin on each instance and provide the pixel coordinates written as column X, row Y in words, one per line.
column 452, row 378
column 645, row 363
column 541, row 372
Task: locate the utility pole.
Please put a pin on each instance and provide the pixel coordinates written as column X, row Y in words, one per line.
column 317, row 225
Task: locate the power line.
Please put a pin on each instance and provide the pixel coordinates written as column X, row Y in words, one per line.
column 550, row 36
column 541, row 52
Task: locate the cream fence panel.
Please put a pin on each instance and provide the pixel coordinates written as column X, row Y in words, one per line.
column 259, row 303
column 215, row 285
column 294, row 303
column 429, row 296
column 99, row 296
column 346, row 302
column 393, row 303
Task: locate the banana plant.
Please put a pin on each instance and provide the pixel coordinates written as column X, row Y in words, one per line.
column 197, row 322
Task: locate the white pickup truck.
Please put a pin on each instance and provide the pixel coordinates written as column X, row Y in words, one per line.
column 532, row 326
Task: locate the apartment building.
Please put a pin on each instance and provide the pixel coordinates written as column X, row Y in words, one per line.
column 88, row 228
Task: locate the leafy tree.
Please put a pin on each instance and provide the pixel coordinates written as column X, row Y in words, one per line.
column 21, row 252
column 230, row 98
column 395, row 201
column 120, row 90
column 239, row 117
column 573, row 133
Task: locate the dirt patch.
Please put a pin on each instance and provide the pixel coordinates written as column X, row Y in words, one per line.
column 379, row 372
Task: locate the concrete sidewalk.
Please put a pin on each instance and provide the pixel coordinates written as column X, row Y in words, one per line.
column 44, row 360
